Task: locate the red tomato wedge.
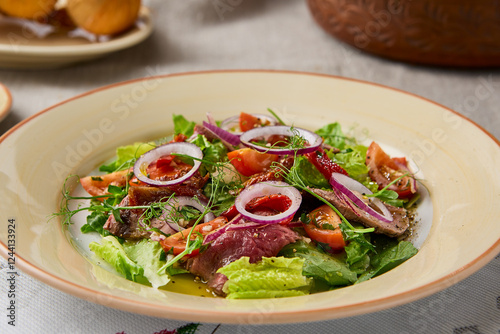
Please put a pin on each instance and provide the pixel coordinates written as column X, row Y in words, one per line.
column 383, row 170
column 177, row 242
column 248, row 122
column 324, row 227
column 248, row 161
column 98, row 185
column 324, row 164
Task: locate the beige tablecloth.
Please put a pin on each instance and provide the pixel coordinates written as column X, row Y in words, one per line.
column 193, row 35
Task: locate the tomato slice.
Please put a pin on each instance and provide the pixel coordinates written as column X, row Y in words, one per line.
column 270, row 205
column 248, row 122
column 324, row 227
column 248, row 162
column 276, row 202
column 177, row 242
column 383, row 170
column 324, row 164
column 98, row 185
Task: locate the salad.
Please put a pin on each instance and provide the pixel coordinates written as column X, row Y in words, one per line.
column 251, row 207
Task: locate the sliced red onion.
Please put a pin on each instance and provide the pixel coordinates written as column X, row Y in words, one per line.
column 265, row 189
column 180, row 201
column 147, row 158
column 223, row 134
column 346, row 185
column 232, row 124
column 312, row 139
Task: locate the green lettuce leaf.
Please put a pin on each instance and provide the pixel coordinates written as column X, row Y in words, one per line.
column 319, row 265
column 112, row 252
column 138, row 262
column 309, row 174
column 213, row 152
column 182, row 125
column 269, row 278
column 390, row 254
column 148, row 254
column 126, row 156
column 333, row 135
column 95, row 223
column 353, row 160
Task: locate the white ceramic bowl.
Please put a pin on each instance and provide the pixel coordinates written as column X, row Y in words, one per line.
column 458, row 160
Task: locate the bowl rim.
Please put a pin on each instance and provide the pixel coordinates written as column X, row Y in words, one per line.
column 179, row 312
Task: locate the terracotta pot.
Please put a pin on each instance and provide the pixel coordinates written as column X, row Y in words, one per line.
column 437, row 32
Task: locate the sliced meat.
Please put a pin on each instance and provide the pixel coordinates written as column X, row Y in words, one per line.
column 396, row 228
column 146, row 195
column 255, row 243
column 272, row 175
column 262, row 177
column 129, row 229
column 132, row 226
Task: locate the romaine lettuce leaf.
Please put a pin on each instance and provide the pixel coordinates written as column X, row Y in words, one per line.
column 148, row 254
column 138, row 262
column 112, row 252
column 319, row 265
column 269, row 278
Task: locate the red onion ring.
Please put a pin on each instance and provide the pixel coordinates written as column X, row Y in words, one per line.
column 266, row 189
column 180, row 147
column 346, row 185
column 232, row 123
column 223, row 134
column 181, row 201
column 313, row 140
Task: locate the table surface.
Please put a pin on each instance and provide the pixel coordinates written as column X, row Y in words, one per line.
column 194, row 35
